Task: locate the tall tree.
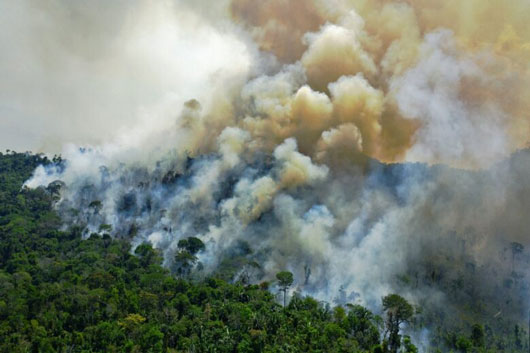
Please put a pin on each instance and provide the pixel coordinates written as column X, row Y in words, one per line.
column 185, row 258
column 285, row 280
column 398, row 311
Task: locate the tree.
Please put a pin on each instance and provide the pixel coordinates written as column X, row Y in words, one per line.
column 249, row 269
column 147, row 254
column 477, row 335
column 183, row 263
column 362, row 325
column 192, row 245
column 185, row 258
column 105, row 228
column 95, row 206
column 408, row 347
column 285, row 279
column 518, row 337
column 398, row 311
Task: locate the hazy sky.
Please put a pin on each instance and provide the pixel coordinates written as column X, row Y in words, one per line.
column 80, row 71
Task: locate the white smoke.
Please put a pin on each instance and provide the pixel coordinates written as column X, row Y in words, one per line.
column 279, row 149
column 84, row 72
column 453, row 129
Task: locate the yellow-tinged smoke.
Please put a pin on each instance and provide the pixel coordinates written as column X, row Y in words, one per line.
column 308, row 91
column 423, row 80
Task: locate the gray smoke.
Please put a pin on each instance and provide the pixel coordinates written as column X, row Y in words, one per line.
column 368, row 147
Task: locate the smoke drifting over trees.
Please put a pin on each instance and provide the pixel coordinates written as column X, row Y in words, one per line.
column 370, row 142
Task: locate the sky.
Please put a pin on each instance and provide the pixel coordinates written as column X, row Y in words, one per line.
column 80, row 72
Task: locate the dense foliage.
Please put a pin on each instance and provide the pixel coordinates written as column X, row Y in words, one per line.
column 60, row 293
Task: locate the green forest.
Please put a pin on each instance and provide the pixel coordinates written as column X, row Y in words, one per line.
column 62, row 293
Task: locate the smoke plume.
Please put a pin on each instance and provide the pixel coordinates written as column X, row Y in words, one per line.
column 366, row 146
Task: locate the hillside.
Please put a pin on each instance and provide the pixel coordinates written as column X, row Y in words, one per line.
column 62, row 292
